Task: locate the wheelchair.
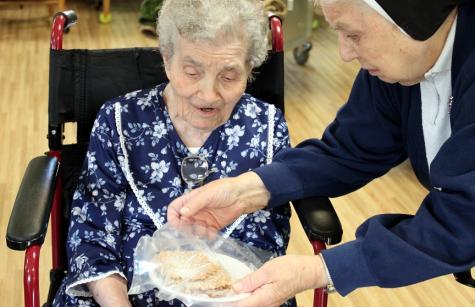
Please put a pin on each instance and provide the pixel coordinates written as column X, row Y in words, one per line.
column 80, row 81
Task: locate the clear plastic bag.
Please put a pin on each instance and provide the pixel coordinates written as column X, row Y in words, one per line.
column 194, row 270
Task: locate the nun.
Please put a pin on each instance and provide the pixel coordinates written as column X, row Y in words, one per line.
column 414, row 98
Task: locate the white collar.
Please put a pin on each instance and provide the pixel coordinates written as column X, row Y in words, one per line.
column 444, row 62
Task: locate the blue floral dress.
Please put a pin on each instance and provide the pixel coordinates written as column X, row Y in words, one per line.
column 130, row 176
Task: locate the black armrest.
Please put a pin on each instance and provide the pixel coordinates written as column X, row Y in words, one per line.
column 30, row 215
column 465, row 278
column 319, row 219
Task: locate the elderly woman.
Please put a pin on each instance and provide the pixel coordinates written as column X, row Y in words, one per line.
column 151, row 146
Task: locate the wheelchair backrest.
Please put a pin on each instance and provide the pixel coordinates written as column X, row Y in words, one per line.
column 82, row 80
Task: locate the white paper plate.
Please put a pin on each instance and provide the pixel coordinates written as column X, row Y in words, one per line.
column 235, row 268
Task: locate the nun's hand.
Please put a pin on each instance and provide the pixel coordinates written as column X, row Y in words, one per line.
column 218, row 203
column 281, row 279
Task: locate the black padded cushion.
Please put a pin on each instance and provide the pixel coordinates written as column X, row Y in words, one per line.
column 56, row 276
column 268, row 83
column 319, row 219
column 72, row 160
column 30, row 215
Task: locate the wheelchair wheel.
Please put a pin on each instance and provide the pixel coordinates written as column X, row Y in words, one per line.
column 302, row 53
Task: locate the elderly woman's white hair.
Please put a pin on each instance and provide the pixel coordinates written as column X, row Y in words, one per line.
column 214, row 21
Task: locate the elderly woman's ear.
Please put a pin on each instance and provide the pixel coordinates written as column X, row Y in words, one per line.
column 166, row 64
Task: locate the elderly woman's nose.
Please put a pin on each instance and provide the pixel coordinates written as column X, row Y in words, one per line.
column 346, row 46
column 209, row 92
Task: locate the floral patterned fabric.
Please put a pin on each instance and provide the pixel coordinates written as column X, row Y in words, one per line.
column 106, row 217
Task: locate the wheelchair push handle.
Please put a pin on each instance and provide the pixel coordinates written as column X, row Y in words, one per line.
column 275, row 24
column 62, row 21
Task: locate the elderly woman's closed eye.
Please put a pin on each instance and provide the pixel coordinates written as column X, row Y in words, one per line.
column 206, row 83
column 168, row 139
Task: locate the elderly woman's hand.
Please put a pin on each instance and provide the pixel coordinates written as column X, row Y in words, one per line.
column 217, row 204
column 280, row 279
column 110, row 291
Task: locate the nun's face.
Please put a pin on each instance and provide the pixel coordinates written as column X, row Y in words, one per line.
column 379, row 46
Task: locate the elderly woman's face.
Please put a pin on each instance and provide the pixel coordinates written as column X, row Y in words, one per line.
column 206, row 81
column 379, row 46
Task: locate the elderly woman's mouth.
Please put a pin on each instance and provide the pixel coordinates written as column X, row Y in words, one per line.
column 208, row 111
